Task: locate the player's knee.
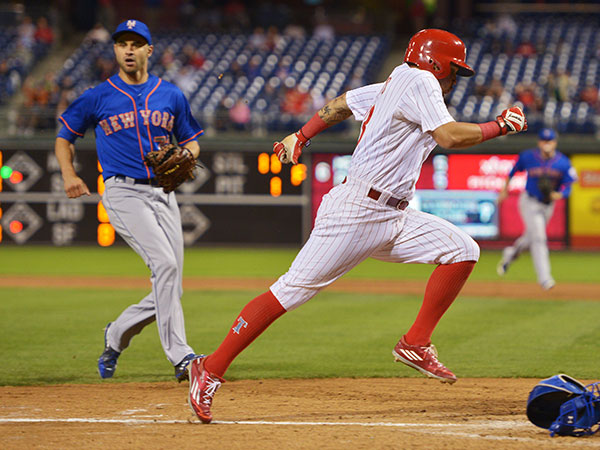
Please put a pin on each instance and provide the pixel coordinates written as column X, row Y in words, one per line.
column 291, row 296
column 539, row 240
column 472, row 250
column 166, row 267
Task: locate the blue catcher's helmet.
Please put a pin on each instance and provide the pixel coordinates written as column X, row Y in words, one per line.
column 579, row 416
column 565, row 406
column 545, row 400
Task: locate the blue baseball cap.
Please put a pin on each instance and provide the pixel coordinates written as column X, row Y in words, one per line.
column 133, row 26
column 547, row 134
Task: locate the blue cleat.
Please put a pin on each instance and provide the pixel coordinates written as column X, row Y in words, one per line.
column 107, row 363
column 181, row 369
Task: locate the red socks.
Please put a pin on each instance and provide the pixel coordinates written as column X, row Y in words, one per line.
column 443, row 286
column 251, row 322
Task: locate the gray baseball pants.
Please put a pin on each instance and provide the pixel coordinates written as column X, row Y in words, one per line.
column 149, row 221
column 536, row 216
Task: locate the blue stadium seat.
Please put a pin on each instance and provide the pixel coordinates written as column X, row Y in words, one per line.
column 316, row 66
column 562, row 43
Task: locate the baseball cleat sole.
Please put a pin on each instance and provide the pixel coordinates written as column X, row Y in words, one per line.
column 420, row 369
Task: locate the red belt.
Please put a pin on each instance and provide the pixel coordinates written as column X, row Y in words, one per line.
column 392, row 201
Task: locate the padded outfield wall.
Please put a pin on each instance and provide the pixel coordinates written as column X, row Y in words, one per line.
column 243, row 195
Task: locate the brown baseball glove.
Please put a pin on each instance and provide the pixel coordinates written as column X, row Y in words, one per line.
column 172, row 165
column 546, row 186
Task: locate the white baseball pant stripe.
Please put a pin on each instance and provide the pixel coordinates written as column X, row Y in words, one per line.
column 351, row 227
column 158, row 239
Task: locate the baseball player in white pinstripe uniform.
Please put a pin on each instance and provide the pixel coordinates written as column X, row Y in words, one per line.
column 403, row 119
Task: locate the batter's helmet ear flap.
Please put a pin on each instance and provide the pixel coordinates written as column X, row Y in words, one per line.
column 435, row 50
column 579, row 416
column 546, row 398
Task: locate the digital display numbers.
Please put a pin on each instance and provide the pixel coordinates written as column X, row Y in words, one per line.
column 236, row 197
column 249, row 197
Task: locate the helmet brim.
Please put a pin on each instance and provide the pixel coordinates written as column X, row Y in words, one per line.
column 464, row 70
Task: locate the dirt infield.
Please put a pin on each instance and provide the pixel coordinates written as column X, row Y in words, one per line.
column 276, row 414
column 281, row 414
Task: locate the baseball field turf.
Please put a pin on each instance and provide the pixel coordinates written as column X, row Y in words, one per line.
column 56, row 302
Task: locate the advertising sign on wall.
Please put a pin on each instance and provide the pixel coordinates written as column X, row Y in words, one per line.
column 584, row 207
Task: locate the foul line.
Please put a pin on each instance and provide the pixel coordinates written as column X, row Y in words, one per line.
column 493, row 424
column 423, row 428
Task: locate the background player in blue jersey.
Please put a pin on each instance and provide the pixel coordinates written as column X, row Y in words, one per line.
column 549, row 178
column 131, row 113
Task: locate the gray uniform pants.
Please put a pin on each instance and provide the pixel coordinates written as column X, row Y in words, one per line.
column 536, row 216
column 149, row 221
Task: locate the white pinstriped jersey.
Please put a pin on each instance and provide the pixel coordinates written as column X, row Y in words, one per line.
column 351, row 226
column 397, row 117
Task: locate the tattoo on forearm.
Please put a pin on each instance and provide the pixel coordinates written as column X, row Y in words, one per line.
column 335, row 111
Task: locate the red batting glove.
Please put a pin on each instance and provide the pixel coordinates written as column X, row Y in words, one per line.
column 511, row 121
column 290, row 149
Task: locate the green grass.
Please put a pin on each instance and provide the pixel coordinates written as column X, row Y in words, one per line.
column 268, row 263
column 54, row 335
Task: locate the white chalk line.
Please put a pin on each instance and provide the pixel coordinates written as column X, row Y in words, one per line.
column 424, row 428
column 493, row 424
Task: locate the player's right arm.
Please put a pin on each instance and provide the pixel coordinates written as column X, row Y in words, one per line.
column 334, row 112
column 74, row 185
column 504, row 191
column 357, row 102
column 518, row 167
column 76, row 119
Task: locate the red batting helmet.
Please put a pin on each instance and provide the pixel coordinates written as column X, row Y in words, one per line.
column 434, row 50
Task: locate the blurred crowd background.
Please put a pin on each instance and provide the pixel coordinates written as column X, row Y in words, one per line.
column 265, row 66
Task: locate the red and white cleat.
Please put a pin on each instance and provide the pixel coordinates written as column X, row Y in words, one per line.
column 424, row 359
column 203, row 386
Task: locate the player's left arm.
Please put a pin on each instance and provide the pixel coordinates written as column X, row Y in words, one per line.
column 186, row 128
column 564, row 186
column 193, row 147
column 457, row 135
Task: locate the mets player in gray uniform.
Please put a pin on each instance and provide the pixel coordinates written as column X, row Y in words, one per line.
column 549, row 178
column 131, row 113
column 403, row 119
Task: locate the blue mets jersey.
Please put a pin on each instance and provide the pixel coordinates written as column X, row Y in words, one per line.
column 557, row 168
column 130, row 120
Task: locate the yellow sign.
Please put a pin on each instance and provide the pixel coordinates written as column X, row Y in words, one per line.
column 584, row 204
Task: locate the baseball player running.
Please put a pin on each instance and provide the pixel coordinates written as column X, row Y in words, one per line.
column 132, row 113
column 367, row 216
column 549, row 178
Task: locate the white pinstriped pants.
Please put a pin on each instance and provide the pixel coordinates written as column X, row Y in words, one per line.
column 351, row 227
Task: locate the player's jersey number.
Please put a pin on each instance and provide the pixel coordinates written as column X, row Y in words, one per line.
column 365, row 122
column 370, row 113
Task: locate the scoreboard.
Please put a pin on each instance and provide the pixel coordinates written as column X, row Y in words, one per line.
column 237, row 197
column 247, row 197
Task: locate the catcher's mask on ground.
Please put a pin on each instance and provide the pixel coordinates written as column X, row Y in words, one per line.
column 579, row 416
column 546, row 401
column 434, row 50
